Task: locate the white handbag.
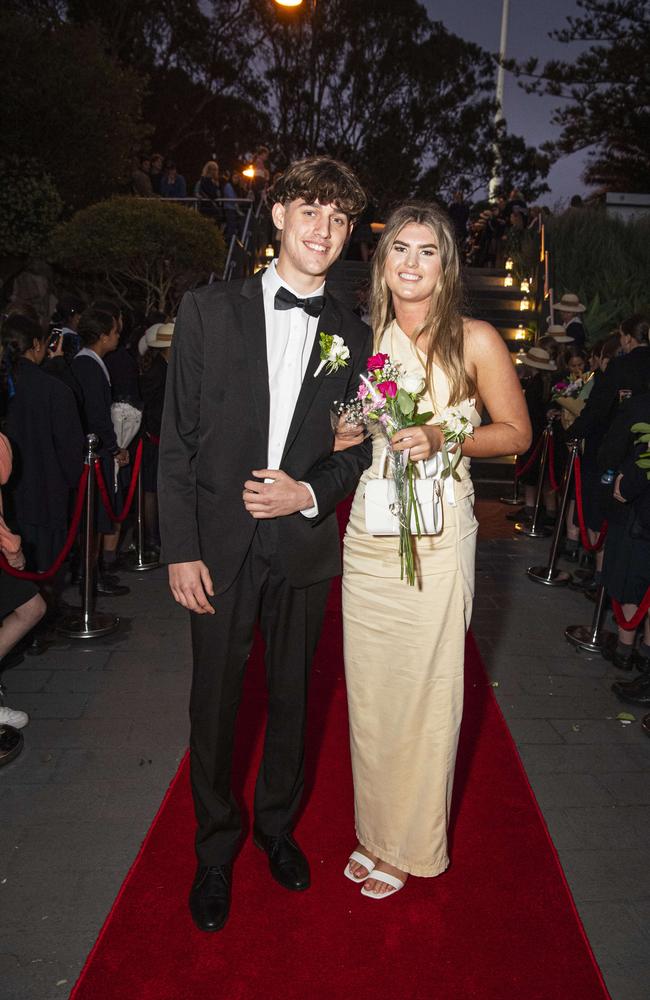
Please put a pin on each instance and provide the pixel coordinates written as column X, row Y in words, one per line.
column 381, row 498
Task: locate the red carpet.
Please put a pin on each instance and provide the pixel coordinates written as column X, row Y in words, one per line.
column 499, row 925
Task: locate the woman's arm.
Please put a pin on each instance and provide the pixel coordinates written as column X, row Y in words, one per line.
column 488, row 362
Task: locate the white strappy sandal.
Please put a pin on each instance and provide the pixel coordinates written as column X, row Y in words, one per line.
column 395, row 883
column 360, row 859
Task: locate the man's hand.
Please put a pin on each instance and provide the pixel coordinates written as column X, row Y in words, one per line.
column 348, row 435
column 190, row 584
column 277, row 499
column 122, row 457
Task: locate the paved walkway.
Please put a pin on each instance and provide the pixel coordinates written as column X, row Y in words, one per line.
column 109, row 726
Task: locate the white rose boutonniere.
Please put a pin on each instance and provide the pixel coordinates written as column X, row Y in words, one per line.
column 333, row 354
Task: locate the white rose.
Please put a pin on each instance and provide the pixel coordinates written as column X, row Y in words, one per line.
column 412, row 384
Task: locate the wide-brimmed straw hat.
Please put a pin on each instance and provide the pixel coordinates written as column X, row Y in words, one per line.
column 557, row 332
column 570, row 303
column 158, row 335
column 537, row 357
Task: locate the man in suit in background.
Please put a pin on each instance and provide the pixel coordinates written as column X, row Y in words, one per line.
column 248, row 487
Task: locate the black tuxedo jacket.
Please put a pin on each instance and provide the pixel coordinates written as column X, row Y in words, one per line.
column 215, row 432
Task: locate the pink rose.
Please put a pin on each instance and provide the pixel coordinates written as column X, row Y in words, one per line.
column 388, row 389
column 363, row 391
column 377, row 361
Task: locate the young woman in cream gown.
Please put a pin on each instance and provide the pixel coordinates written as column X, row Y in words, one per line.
column 404, row 646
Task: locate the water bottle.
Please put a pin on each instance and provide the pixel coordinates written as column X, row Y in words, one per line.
column 608, row 477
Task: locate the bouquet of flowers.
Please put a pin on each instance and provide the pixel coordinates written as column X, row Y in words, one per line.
column 568, row 389
column 643, row 457
column 389, row 397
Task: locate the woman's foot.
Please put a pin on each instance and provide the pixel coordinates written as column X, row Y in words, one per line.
column 358, row 870
column 374, row 886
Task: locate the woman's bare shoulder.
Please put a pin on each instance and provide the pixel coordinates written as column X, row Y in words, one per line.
column 481, row 338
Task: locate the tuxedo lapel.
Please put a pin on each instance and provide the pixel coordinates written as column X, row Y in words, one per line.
column 329, row 322
column 253, row 323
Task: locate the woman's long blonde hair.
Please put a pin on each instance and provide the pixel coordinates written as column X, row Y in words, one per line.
column 443, row 325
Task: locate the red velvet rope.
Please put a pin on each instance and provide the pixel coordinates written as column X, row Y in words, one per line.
column 521, row 471
column 551, row 462
column 103, row 492
column 63, row 554
column 584, row 538
column 637, row 617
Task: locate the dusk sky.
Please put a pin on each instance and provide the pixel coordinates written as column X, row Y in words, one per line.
column 530, row 21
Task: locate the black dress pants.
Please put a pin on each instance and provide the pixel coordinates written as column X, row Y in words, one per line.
column 290, row 620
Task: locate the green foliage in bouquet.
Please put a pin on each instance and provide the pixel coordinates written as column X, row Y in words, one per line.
column 148, row 252
column 643, row 459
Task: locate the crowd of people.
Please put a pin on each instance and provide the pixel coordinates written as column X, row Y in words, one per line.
column 218, row 192
column 487, row 236
column 597, row 396
column 81, row 374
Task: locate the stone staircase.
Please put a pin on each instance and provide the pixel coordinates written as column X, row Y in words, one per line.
column 489, row 300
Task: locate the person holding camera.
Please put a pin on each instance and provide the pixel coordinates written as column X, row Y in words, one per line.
column 44, row 428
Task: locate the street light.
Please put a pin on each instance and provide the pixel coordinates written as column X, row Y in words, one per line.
column 288, row 3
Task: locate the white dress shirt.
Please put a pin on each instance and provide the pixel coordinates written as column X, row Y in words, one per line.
column 290, row 337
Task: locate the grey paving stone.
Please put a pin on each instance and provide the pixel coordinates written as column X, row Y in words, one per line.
column 79, row 732
column 611, row 758
column 609, row 826
column 614, row 875
column 35, row 765
column 522, row 706
column 18, row 680
column 614, row 927
column 533, row 731
column 105, row 765
column 51, row 803
column 47, row 705
column 64, row 681
column 570, row 790
column 70, row 847
column 628, row 789
column 596, row 731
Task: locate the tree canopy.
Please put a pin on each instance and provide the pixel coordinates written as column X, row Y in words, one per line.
column 69, row 105
column 604, row 90
column 405, row 101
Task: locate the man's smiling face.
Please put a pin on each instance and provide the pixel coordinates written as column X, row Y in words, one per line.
column 313, row 236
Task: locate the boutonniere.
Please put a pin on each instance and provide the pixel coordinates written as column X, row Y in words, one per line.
column 333, row 354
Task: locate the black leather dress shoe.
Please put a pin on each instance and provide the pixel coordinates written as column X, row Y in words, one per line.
column 288, row 864
column 210, row 896
column 636, row 692
column 111, row 586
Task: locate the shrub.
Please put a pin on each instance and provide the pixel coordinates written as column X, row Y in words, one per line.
column 148, row 252
column 605, row 261
column 30, row 208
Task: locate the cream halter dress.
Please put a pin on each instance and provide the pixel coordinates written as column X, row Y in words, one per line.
column 404, row 656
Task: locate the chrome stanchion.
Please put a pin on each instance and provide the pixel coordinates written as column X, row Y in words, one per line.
column 549, row 575
column 11, row 744
column 514, row 500
column 88, row 623
column 532, row 528
column 592, row 638
column 141, row 560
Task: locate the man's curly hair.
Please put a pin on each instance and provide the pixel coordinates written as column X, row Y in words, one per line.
column 322, row 179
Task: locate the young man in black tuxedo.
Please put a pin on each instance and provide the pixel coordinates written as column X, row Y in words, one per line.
column 248, row 487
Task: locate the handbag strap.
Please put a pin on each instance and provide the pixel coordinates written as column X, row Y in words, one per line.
column 420, row 466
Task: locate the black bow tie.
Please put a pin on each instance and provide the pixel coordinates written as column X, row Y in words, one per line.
column 284, row 299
